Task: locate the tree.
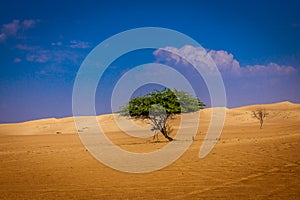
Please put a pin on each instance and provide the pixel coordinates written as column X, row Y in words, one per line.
column 159, row 106
column 260, row 114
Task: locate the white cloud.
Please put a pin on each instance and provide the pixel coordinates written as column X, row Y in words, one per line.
column 198, row 57
column 27, row 47
column 230, row 66
column 41, row 56
column 13, row 28
column 269, row 69
column 38, row 54
column 29, row 23
column 252, row 84
column 226, row 63
column 79, row 44
column 56, row 43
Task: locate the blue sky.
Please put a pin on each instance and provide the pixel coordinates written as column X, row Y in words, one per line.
column 256, row 45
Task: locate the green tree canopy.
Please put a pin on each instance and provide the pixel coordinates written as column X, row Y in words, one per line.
column 158, row 106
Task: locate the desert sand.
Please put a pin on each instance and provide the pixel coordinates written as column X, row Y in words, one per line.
column 45, row 159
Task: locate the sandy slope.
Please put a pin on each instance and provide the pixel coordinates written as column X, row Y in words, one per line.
column 45, row 159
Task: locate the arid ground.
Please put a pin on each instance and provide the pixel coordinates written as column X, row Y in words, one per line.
column 45, row 159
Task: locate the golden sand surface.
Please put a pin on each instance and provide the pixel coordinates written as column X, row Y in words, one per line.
column 45, row 159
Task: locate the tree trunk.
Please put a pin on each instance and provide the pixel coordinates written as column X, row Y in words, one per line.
column 164, row 132
column 261, row 123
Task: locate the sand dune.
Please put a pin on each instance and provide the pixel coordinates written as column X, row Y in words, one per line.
column 45, row 159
